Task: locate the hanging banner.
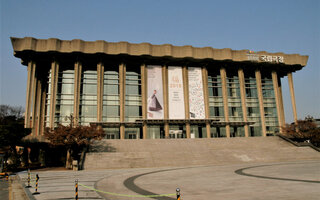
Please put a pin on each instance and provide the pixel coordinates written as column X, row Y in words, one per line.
column 155, row 108
column 196, row 97
column 176, row 98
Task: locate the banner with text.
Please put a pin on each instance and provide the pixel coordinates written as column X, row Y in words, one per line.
column 196, row 97
column 155, row 108
column 176, row 98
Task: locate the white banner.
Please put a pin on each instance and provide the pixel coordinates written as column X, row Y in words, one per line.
column 196, row 98
column 176, row 98
column 155, row 106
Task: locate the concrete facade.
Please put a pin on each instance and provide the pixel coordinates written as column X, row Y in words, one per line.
column 75, row 77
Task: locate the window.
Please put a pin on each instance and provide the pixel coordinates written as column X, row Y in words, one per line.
column 133, row 101
column 214, row 86
column 252, row 104
column 216, row 111
column 88, row 97
column 215, row 95
column 112, row 133
column 64, row 98
column 269, row 104
column 234, row 111
column 233, row 87
column 218, row 132
column 132, row 132
column 111, row 98
column 234, row 98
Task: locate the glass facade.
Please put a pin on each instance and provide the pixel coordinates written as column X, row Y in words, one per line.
column 252, row 106
column 234, row 99
column 111, row 98
column 217, row 131
column 133, row 104
column 88, row 97
column 178, row 131
column 64, row 98
column 237, row 131
column 216, row 110
column 269, row 105
column 133, row 133
column 48, row 103
column 234, row 104
column 198, row 131
column 155, row 132
column 112, row 132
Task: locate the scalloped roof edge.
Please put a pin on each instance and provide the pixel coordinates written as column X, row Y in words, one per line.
column 116, row 48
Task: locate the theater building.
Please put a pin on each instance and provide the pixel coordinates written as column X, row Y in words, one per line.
column 145, row 91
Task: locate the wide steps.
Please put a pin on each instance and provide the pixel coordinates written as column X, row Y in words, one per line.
column 110, row 154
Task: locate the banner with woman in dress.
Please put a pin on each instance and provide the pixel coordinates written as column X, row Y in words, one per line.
column 155, row 109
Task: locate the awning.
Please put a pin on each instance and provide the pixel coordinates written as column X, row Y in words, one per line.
column 140, row 122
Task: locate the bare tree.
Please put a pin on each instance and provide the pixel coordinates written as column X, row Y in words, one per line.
column 11, row 111
column 11, row 131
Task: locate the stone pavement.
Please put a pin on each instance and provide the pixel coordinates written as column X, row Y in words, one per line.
column 4, row 189
column 16, row 190
column 280, row 180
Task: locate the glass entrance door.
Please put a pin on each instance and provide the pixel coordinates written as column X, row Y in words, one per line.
column 174, row 134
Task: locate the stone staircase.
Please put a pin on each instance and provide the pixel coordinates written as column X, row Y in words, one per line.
column 111, row 154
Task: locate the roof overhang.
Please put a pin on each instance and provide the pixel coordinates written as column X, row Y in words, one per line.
column 29, row 48
column 140, row 122
column 165, row 50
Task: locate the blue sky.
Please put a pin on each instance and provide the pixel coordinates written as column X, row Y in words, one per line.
column 288, row 26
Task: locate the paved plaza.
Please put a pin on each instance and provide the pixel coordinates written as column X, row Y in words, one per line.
column 281, row 180
column 4, row 187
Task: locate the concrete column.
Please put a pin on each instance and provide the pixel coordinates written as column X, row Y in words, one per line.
column 281, row 103
column 277, row 97
column 243, row 100
column 43, row 106
column 122, row 85
column 144, row 99
column 206, row 99
column 293, row 100
column 53, row 91
column 31, row 75
column 34, row 99
column 100, row 79
column 185, row 80
column 37, row 110
column 260, row 97
column 165, row 99
column 77, row 85
column 223, row 75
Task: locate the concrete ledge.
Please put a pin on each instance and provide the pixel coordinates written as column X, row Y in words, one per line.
column 165, row 50
column 298, row 144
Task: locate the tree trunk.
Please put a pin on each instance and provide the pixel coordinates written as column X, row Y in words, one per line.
column 14, row 157
column 69, row 159
column 42, row 158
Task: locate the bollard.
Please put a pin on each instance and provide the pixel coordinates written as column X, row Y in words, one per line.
column 37, row 180
column 7, row 176
column 178, row 194
column 28, row 186
column 76, row 189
